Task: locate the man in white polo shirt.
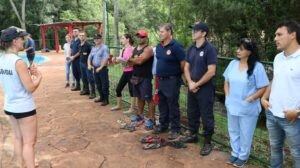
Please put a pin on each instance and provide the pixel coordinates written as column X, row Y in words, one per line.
column 282, row 99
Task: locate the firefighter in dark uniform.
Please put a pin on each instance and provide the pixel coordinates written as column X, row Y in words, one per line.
column 170, row 63
column 200, row 68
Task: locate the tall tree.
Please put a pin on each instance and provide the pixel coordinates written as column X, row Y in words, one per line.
column 21, row 18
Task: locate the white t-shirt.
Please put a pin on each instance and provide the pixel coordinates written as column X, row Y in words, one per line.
column 17, row 98
column 67, row 49
column 286, row 84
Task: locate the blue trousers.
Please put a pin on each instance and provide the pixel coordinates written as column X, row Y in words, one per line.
column 76, row 71
column 168, row 91
column 200, row 105
column 87, row 78
column 241, row 130
column 279, row 130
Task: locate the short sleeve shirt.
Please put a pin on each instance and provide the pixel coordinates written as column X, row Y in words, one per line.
column 98, row 54
column 199, row 58
column 241, row 86
column 169, row 58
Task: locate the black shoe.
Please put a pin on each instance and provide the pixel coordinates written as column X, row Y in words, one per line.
column 97, row 100
column 92, row 96
column 104, row 103
column 159, row 130
column 173, row 135
column 75, row 89
column 206, row 149
column 189, row 137
column 67, row 85
column 84, row 92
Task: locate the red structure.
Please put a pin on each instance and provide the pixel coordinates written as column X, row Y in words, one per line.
column 69, row 26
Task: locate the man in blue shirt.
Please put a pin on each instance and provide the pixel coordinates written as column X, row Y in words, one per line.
column 199, row 70
column 30, row 49
column 170, row 63
column 97, row 61
column 75, row 54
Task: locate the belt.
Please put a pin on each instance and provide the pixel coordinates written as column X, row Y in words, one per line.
column 167, row 77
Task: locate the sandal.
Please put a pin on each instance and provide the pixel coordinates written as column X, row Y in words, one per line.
column 155, row 145
column 150, row 139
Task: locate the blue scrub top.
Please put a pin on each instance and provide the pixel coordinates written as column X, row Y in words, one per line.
column 240, row 87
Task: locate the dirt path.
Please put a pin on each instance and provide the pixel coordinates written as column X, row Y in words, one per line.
column 75, row 132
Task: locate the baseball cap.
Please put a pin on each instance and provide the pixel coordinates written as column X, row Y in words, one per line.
column 200, row 26
column 97, row 36
column 142, row 33
column 11, row 33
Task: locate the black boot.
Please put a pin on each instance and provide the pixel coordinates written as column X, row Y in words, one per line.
column 207, row 146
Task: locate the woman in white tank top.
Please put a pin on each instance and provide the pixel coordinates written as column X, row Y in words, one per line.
column 18, row 83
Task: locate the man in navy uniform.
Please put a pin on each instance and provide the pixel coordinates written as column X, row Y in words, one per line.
column 200, row 68
column 170, row 63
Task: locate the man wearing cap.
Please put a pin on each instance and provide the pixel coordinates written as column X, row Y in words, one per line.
column 170, row 64
column 97, row 61
column 75, row 54
column 86, row 74
column 29, row 48
column 200, row 68
column 141, row 78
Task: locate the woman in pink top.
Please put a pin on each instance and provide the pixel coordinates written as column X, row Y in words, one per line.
column 125, row 54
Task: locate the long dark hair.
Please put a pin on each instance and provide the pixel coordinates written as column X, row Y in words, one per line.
column 251, row 46
column 128, row 36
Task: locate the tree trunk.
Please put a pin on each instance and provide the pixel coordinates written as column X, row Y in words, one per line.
column 104, row 20
column 116, row 27
column 22, row 18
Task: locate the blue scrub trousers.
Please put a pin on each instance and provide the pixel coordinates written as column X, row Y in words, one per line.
column 241, row 130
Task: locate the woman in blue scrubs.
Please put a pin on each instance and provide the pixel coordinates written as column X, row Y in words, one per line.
column 245, row 82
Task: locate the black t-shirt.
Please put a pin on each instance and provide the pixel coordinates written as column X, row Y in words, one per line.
column 85, row 51
column 200, row 58
column 144, row 70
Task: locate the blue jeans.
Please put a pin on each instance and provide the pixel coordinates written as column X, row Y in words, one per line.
column 279, row 129
column 87, row 78
column 69, row 72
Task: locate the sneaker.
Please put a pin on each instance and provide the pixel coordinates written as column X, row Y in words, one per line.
column 84, row 92
column 149, row 124
column 104, row 103
column 98, row 100
column 206, row 149
column 232, row 160
column 173, row 135
column 159, row 129
column 136, row 118
column 92, row 96
column 239, row 163
column 75, row 89
column 67, row 85
column 189, row 137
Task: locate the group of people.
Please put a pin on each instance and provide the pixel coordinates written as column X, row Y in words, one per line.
column 88, row 64
column 246, row 87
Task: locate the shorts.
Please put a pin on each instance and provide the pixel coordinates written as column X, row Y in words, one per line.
column 20, row 115
column 143, row 90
